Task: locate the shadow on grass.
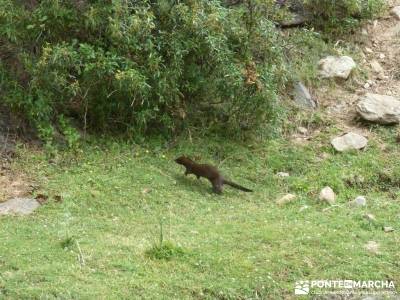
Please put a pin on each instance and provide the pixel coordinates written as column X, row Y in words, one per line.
column 192, row 184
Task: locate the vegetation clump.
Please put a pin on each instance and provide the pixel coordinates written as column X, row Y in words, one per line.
column 166, row 251
column 342, row 16
column 130, row 66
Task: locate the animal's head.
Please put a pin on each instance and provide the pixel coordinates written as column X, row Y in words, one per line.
column 182, row 160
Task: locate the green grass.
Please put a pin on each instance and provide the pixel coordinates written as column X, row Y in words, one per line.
column 103, row 240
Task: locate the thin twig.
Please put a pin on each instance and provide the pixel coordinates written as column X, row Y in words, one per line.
column 5, row 141
column 190, row 136
column 330, row 207
column 86, row 110
column 80, row 256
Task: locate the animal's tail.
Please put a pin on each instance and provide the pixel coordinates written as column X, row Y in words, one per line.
column 239, row 187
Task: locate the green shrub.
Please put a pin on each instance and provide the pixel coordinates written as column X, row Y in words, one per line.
column 139, row 65
column 341, row 16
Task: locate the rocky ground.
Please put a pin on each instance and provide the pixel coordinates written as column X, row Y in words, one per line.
column 364, row 92
column 380, row 49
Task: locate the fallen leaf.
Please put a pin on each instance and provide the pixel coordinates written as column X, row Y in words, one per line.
column 58, row 198
column 41, row 198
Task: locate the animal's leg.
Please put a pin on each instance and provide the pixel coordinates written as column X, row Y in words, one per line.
column 217, row 186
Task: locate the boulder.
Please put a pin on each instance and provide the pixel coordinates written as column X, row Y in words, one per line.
column 396, row 12
column 349, row 141
column 336, row 67
column 381, row 109
column 302, row 96
column 18, row 206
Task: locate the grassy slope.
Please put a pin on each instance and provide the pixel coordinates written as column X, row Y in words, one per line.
column 235, row 245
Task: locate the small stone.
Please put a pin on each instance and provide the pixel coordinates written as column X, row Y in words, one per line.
column 396, row 12
column 146, row 191
column 381, row 76
column 300, row 141
column 359, row 201
column 282, row 174
column 325, row 155
column 349, row 141
column 372, row 247
column 388, row 229
column 304, row 207
column 366, row 86
column 355, row 180
column 364, row 31
column 327, row 195
column 95, row 193
column 302, row 130
column 19, row 206
column 370, row 217
column 381, row 55
column 376, row 66
column 286, row 199
column 368, row 50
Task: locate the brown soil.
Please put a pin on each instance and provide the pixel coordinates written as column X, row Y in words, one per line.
column 13, row 184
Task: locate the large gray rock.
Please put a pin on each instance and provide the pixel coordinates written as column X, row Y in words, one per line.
column 302, row 96
column 336, row 67
column 380, row 109
column 396, row 12
column 349, row 141
column 18, row 206
column 388, row 229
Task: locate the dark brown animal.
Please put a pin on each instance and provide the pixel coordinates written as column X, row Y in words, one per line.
column 209, row 172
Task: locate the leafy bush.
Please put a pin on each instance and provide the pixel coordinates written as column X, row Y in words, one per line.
column 139, row 65
column 342, row 16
